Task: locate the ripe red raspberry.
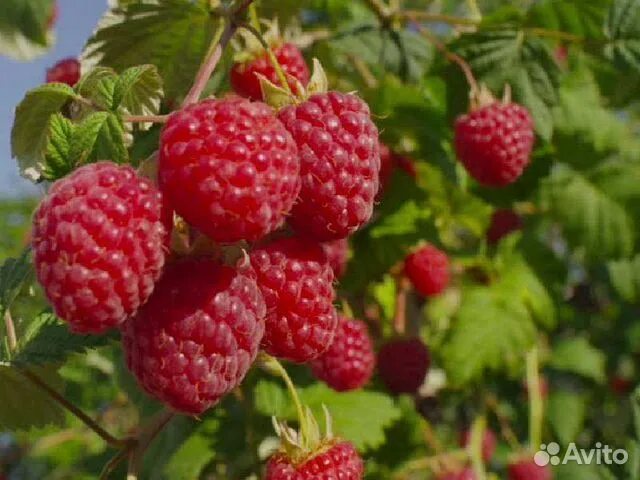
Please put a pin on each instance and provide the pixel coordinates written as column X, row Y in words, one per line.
column 403, row 365
column 340, row 461
column 65, row 71
column 428, row 270
column 337, row 252
column 526, row 469
column 229, row 168
column 339, row 164
column 494, row 142
column 503, row 223
column 296, row 281
column 466, row 474
column 98, row 242
column 198, row 334
column 244, row 78
column 489, row 442
column 349, row 362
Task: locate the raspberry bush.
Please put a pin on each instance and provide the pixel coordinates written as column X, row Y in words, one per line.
column 374, row 239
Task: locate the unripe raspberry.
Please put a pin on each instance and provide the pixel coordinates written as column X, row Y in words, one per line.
column 494, row 142
column 428, row 270
column 349, row 362
column 503, row 223
column 403, row 365
column 340, row 164
column 229, row 168
column 527, row 469
column 246, row 82
column 489, row 442
column 340, row 462
column 196, row 337
column 296, row 281
column 98, row 243
column 65, row 71
column 337, row 252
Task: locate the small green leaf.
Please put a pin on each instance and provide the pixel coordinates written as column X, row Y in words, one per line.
column 194, row 454
column 622, row 30
column 14, row 272
column 567, row 413
column 99, row 86
column 24, row 405
column 23, row 28
column 625, row 278
column 584, row 18
column 100, row 136
column 577, row 355
column 30, row 133
column 138, row 90
column 58, row 159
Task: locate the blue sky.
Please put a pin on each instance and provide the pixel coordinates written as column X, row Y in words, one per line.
column 76, row 22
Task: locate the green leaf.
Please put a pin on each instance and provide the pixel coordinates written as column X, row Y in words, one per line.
column 30, row 133
column 194, row 454
column 508, row 56
column 14, row 272
column 173, row 35
column 591, row 219
column 100, row 136
column 625, row 278
column 24, row 405
column 47, row 340
column 98, row 86
column 566, row 412
column 584, row 18
column 635, row 403
column 139, row 90
column 362, row 426
column 23, row 28
column 577, row 355
column 58, row 159
column 491, row 332
column 622, row 30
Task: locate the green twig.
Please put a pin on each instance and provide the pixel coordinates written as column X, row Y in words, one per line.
column 535, row 399
column 11, row 330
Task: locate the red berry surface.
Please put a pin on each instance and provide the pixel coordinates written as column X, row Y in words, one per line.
column 466, row 474
column 297, row 283
column 403, row 365
column 620, row 385
column 503, row 223
column 198, row 334
column 340, row 462
column 244, row 76
column 337, row 252
column 229, row 168
column 339, row 164
column 350, row 360
column 99, row 245
column 494, row 142
column 489, row 442
column 527, row 470
column 428, row 270
column 65, row 71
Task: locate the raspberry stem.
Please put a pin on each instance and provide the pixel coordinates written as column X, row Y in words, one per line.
column 505, row 428
column 535, row 399
column 400, row 318
column 475, row 447
column 83, row 417
column 145, row 118
column 11, row 330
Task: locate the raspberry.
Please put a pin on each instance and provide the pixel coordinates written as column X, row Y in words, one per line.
column 489, row 442
column 98, row 242
column 466, row 474
column 349, row 361
column 65, row 71
column 244, row 78
column 494, row 142
column 428, row 270
column 403, row 365
column 229, row 168
column 528, row 470
column 296, row 281
column 196, row 338
column 337, row 252
column 339, row 164
column 503, row 223
column 620, row 385
column 340, row 461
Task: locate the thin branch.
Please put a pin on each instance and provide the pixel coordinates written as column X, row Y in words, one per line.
column 11, row 330
column 83, row 417
column 145, row 118
column 536, row 404
column 417, row 15
column 380, row 9
column 505, row 428
column 400, row 317
column 112, row 464
column 541, row 32
column 144, row 439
